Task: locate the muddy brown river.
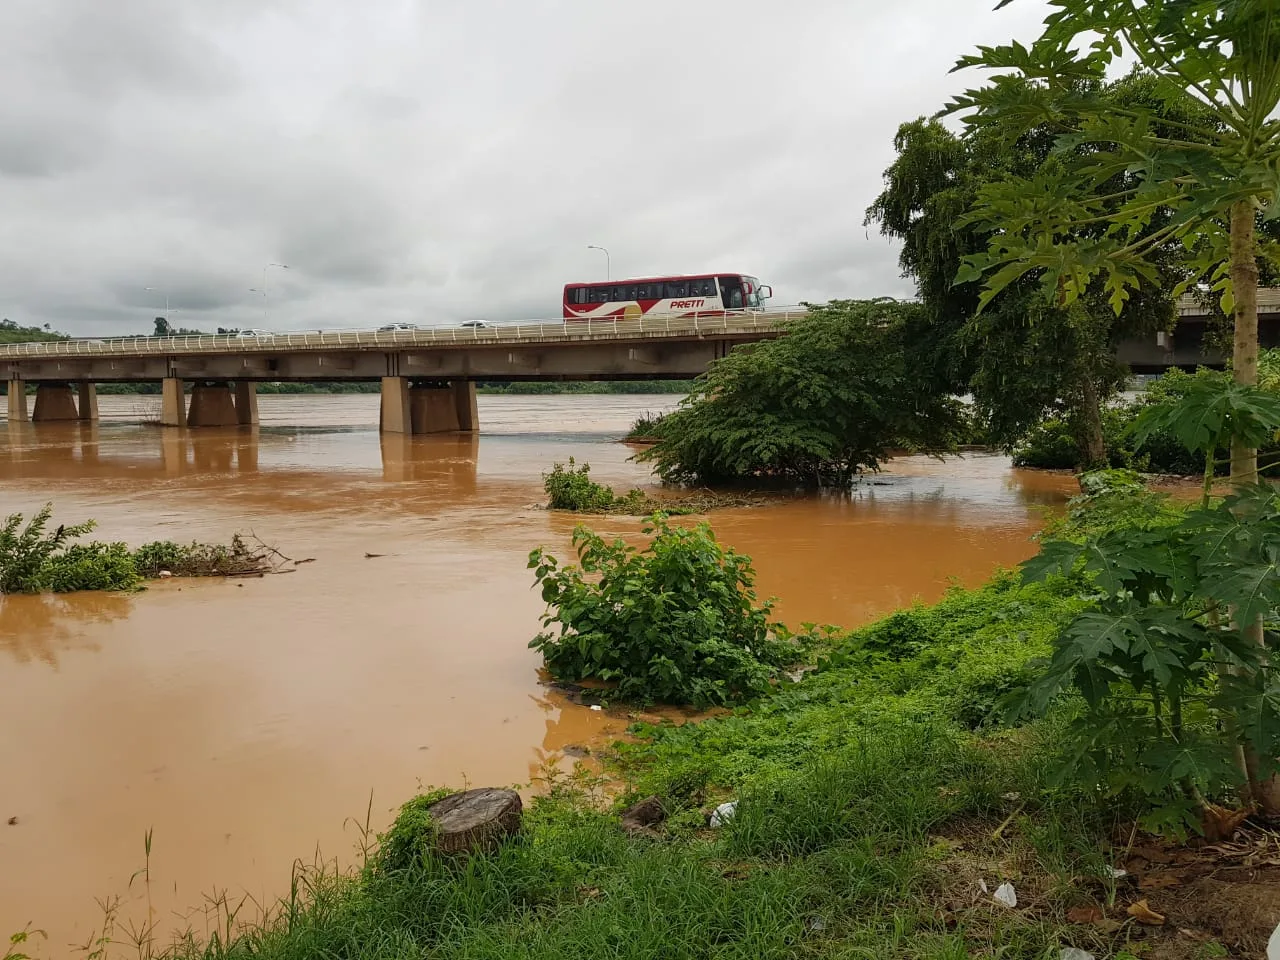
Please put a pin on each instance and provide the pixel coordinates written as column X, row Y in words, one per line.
column 248, row 724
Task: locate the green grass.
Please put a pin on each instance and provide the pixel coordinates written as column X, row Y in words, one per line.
column 873, row 795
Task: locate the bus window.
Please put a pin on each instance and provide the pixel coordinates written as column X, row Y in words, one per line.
column 676, row 289
column 731, row 290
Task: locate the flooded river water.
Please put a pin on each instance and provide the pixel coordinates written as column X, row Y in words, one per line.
column 243, row 723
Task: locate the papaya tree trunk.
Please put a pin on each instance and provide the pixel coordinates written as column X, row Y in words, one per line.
column 1244, row 284
column 1244, row 459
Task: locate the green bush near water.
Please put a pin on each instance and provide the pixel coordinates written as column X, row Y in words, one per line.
column 1054, row 444
column 34, row 560
column 572, row 488
column 676, row 622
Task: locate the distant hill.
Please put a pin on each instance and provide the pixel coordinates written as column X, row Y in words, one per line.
column 10, row 332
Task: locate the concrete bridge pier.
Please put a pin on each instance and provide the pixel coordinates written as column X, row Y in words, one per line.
column 57, row 401
column 173, row 405
column 87, row 403
column 213, row 404
column 17, row 405
column 421, row 408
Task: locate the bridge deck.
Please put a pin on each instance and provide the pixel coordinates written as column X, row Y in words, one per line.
column 749, row 325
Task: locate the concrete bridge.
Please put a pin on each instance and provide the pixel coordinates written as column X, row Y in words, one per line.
column 1186, row 348
column 428, row 375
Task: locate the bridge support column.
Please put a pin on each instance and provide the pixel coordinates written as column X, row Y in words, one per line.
column 55, row 401
column 395, row 416
column 212, row 406
column 246, row 403
column 88, row 401
column 173, row 405
column 17, row 405
column 433, row 410
column 464, row 397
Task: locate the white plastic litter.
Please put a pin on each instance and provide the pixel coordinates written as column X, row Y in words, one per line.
column 1075, row 953
column 1273, row 945
column 982, row 885
column 596, row 706
column 723, row 813
column 1117, row 873
column 1006, row 895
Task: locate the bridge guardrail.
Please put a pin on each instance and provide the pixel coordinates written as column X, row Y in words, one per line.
column 537, row 331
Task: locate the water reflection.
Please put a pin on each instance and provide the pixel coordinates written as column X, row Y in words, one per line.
column 447, row 460
column 43, row 627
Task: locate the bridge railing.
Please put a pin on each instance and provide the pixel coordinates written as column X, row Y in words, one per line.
column 505, row 332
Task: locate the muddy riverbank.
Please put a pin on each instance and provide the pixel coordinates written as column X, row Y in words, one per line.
column 244, row 722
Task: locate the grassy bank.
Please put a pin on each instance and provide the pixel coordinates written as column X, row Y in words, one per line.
column 881, row 803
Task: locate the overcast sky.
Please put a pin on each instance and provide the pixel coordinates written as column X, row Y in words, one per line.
column 437, row 160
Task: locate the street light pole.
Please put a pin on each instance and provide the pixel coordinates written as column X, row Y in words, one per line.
column 263, row 291
column 608, row 262
column 166, row 300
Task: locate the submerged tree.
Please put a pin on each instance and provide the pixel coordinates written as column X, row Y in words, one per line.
column 849, row 382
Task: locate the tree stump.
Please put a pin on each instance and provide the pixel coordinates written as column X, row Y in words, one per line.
column 641, row 818
column 475, row 820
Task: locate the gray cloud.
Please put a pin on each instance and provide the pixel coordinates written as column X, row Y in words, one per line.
column 432, row 161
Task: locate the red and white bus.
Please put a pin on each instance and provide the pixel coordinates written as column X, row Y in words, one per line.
column 703, row 294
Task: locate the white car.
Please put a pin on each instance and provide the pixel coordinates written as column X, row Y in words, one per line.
column 254, row 334
column 473, row 324
column 391, row 327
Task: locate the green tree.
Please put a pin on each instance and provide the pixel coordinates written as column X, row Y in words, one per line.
column 1024, row 360
column 849, row 382
column 1202, row 184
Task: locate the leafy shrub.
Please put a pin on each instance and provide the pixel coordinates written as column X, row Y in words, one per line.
column 1054, row 444
column 90, row 566
column 646, row 427
column 25, row 553
column 199, row 559
column 1111, row 500
column 406, row 844
column 675, row 622
column 33, row 561
column 833, row 397
column 573, row 489
column 1176, row 597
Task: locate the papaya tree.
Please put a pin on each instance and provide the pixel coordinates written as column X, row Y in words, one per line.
column 1203, row 184
column 1022, row 359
